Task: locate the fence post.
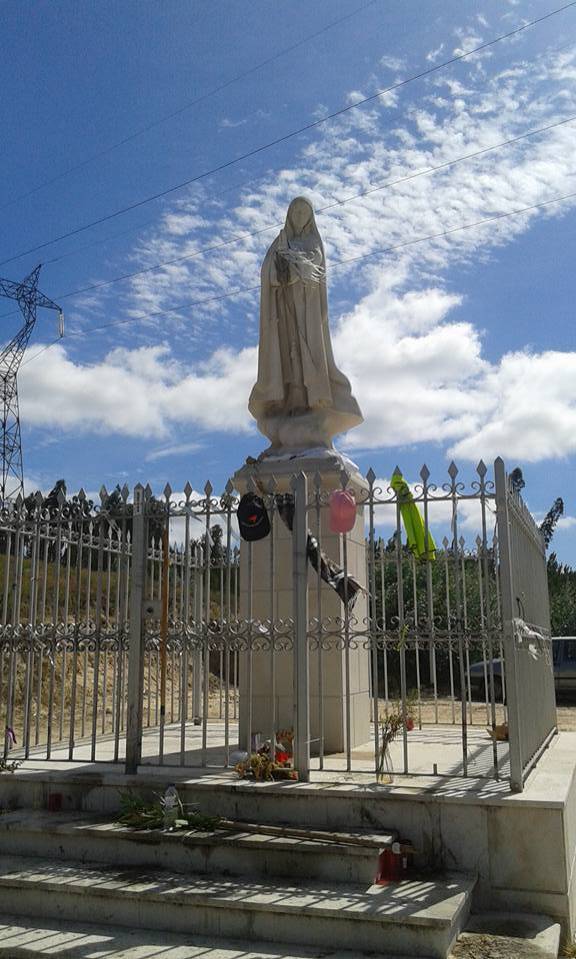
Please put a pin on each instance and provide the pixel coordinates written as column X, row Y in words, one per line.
column 134, row 717
column 508, row 612
column 300, row 616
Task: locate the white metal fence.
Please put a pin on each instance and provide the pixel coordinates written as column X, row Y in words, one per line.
column 128, row 628
column 526, row 630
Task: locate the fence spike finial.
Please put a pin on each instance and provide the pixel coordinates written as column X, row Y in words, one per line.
column 344, row 478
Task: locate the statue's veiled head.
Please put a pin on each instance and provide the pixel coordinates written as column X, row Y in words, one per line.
column 300, row 217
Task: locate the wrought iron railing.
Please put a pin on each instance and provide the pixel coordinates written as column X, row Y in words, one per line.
column 133, row 620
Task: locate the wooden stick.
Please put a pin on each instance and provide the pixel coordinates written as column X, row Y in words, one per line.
column 292, row 832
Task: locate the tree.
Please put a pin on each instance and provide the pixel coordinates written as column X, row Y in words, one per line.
column 516, row 480
column 548, row 524
column 562, row 591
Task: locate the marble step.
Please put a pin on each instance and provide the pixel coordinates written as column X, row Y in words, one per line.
column 221, row 853
column 21, row 939
column 411, row 918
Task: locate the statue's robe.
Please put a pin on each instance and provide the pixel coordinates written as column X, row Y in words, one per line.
column 297, row 372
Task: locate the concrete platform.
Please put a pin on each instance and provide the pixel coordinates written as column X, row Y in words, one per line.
column 431, row 746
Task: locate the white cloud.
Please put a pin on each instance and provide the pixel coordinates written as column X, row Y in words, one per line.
column 137, row 392
column 393, row 63
column 434, row 55
column 177, row 449
column 529, row 409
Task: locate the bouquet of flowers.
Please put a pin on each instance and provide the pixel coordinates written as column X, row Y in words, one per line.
column 395, row 722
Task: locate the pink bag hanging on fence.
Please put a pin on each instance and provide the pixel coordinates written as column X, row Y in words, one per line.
column 342, row 511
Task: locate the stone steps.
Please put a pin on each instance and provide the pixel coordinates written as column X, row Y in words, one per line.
column 222, row 852
column 21, row 939
column 411, row 918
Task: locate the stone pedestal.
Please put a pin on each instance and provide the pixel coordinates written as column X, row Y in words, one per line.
column 338, row 674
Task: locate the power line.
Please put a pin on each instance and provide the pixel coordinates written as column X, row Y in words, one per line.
column 187, row 106
column 138, row 226
column 412, row 176
column 288, row 136
column 351, row 259
column 322, row 209
column 336, row 203
column 236, row 186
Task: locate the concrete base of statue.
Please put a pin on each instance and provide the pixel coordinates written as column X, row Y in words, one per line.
column 339, row 678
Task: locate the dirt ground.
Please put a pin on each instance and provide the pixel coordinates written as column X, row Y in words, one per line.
column 566, row 712
column 449, row 712
column 482, row 946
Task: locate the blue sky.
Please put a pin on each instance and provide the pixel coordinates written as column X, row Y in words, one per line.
column 460, row 347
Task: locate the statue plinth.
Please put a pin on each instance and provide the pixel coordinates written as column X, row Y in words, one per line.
column 335, row 673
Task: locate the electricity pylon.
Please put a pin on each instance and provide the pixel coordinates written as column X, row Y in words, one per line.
column 28, row 298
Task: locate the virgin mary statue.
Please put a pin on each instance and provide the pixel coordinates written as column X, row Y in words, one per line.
column 300, row 399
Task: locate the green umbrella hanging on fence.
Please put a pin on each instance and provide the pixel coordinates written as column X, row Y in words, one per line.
column 413, row 522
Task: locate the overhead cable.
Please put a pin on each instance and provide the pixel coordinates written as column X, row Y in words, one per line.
column 336, row 263
column 288, row 136
column 427, row 171
column 188, row 105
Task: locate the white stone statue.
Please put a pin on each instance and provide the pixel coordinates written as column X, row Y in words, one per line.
column 300, row 400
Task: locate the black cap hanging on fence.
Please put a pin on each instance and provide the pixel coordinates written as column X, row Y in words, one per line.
column 253, row 519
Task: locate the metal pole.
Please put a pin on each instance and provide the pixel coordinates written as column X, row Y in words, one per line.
column 507, row 591
column 300, row 615
column 136, row 636
column 164, row 633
